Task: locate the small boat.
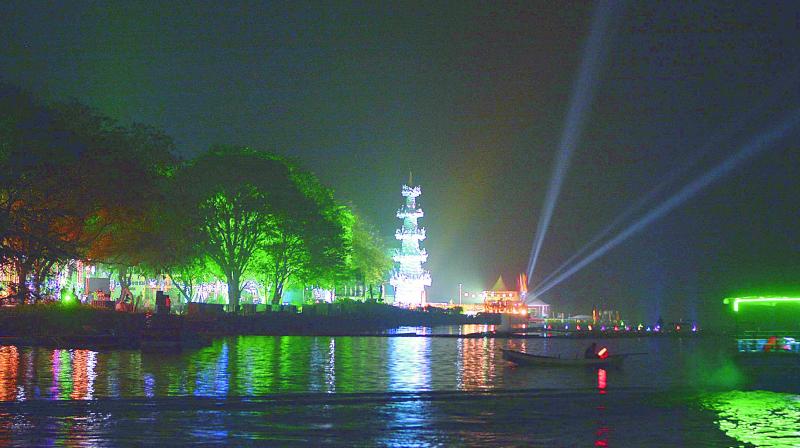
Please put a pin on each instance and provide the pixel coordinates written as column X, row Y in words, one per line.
column 527, row 359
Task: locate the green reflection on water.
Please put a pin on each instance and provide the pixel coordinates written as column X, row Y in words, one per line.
column 760, row 418
column 343, row 367
column 62, row 374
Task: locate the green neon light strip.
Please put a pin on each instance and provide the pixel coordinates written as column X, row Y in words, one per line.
column 738, row 300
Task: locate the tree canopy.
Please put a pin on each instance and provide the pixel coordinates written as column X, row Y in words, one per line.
column 75, row 184
column 237, row 198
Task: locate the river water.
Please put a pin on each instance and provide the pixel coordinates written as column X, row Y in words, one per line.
column 394, row 391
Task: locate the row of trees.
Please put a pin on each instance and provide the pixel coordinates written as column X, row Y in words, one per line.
column 75, row 184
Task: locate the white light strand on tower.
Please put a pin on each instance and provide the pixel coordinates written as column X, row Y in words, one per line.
column 410, row 279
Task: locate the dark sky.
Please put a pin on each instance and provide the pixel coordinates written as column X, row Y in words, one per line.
column 472, row 98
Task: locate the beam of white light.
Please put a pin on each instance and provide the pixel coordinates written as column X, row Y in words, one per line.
column 757, row 145
column 583, row 92
column 713, row 142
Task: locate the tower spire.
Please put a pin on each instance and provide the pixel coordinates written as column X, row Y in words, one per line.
column 410, row 279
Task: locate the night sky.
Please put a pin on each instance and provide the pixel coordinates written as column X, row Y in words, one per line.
column 472, row 99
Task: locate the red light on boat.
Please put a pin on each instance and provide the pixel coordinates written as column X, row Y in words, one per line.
column 603, row 353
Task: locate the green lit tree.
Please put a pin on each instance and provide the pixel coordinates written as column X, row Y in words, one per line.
column 307, row 242
column 187, row 275
column 232, row 196
column 370, row 262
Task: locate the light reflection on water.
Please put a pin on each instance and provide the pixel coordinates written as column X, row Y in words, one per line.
column 409, row 363
column 9, row 364
column 251, row 366
column 256, row 365
column 760, row 418
column 409, row 368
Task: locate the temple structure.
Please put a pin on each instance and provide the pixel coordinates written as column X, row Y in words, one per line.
column 502, row 300
column 410, row 279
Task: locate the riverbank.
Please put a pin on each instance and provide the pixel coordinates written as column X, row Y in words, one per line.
column 81, row 326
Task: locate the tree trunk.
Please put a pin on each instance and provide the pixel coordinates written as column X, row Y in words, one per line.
column 137, row 302
column 23, row 293
column 36, row 282
column 278, row 293
column 186, row 289
column 233, row 292
column 124, row 282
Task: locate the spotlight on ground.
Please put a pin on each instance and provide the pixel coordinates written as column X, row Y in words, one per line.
column 754, row 147
column 582, row 94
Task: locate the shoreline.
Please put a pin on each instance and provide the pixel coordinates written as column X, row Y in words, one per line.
column 85, row 327
column 81, row 326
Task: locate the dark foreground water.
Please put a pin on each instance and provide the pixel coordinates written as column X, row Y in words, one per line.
column 400, row 391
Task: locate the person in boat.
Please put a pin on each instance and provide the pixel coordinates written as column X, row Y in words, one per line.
column 591, row 351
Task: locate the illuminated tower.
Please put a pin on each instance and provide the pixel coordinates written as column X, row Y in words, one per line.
column 409, row 279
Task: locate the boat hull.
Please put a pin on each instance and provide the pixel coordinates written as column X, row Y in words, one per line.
column 527, row 359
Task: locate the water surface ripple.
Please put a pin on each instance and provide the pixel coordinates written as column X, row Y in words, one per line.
column 392, row 391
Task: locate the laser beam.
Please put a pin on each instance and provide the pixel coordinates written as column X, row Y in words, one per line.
column 754, row 147
column 711, row 143
column 582, row 94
